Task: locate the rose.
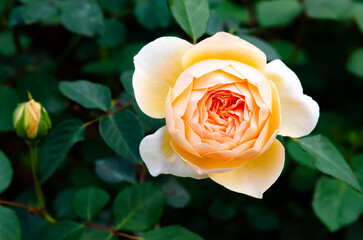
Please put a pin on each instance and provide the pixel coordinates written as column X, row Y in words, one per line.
column 31, row 120
column 224, row 107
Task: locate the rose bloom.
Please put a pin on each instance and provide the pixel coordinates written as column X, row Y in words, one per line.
column 224, row 107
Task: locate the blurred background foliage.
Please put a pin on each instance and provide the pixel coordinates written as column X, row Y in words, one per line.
column 62, row 50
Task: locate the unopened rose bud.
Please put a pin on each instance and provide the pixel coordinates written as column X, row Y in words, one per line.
column 31, row 121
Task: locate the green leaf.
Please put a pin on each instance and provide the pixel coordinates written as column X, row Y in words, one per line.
column 6, row 172
column 171, row 233
column 221, row 211
column 299, row 155
column 328, row 159
column 7, row 47
column 126, row 80
column 8, row 101
column 35, row 11
column 230, row 11
column 113, row 33
column 57, row 145
column 303, row 179
column 277, row 12
column 336, row 204
column 327, row 9
column 357, row 163
column 32, row 226
column 265, row 47
column 82, row 16
column 262, row 218
column 87, row 202
column 9, row 224
column 138, row 207
column 285, row 49
column 215, row 24
column 98, row 235
column 63, row 203
column 122, row 131
column 115, row 170
column 102, row 67
column 152, row 14
column 175, row 194
column 192, row 16
column 44, row 88
column 355, row 63
column 358, row 14
column 115, row 6
column 89, row 95
column 64, row 230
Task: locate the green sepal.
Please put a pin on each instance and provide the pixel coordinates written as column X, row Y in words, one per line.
column 44, row 124
column 19, row 125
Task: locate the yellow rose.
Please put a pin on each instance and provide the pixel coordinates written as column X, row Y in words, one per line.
column 31, row 120
column 224, row 107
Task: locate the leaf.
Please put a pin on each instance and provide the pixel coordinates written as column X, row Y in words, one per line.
column 277, row 12
column 336, row 204
column 192, row 16
column 44, row 88
column 221, row 211
column 97, row 235
column 355, row 63
column 358, row 14
column 171, row 233
column 115, row 170
column 215, row 24
column 122, row 131
column 89, row 95
column 102, row 68
column 115, row 6
column 152, row 14
column 175, row 194
column 357, row 163
column 263, row 218
column 328, row 159
column 126, row 80
column 8, row 101
column 57, row 145
column 138, row 207
column 32, row 226
column 64, row 230
column 87, row 202
column 113, row 33
column 63, row 203
column 35, row 11
column 265, row 47
column 6, row 172
column 327, row 9
column 231, row 11
column 82, row 16
column 299, row 155
column 9, row 224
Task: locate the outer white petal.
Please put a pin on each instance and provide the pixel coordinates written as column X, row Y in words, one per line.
column 157, row 67
column 299, row 112
column 256, row 175
column 160, row 158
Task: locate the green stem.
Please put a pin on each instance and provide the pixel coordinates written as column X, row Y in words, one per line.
column 33, row 148
column 34, row 163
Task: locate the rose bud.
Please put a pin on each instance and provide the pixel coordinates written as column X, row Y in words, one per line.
column 31, row 121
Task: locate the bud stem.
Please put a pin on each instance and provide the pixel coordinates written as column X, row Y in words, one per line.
column 33, row 148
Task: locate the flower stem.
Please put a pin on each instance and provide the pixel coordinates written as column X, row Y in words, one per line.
column 33, row 148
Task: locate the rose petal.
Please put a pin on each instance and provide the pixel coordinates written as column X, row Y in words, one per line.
column 299, row 112
column 256, row 175
column 157, row 67
column 228, row 47
column 160, row 158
